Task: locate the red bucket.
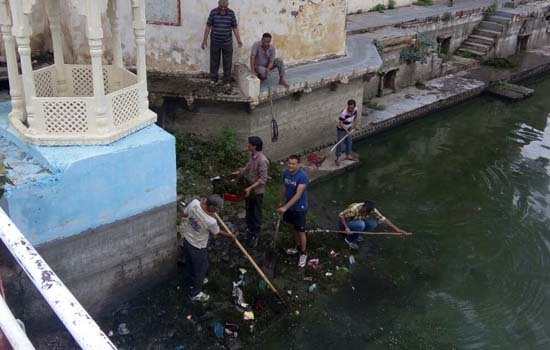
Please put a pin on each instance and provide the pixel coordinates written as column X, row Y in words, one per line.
column 230, row 197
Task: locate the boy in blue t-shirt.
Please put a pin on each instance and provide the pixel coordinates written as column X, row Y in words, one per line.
column 294, row 210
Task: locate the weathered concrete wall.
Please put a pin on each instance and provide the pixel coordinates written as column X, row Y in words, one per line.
column 534, row 26
column 103, row 267
column 455, row 26
column 306, row 121
column 302, row 31
column 357, row 6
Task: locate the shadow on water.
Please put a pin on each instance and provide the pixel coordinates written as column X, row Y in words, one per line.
column 473, row 183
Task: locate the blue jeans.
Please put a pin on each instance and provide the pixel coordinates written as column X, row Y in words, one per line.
column 359, row 226
column 345, row 144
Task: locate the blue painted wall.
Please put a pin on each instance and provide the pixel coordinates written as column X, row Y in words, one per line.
column 83, row 187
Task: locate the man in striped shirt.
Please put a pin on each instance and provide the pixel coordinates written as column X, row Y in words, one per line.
column 363, row 217
column 221, row 25
column 346, row 123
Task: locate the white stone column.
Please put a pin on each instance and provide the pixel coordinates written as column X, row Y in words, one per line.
column 138, row 13
column 115, row 29
column 95, row 36
column 54, row 16
column 22, row 32
column 16, row 90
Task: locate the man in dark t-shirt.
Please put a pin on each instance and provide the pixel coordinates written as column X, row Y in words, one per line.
column 221, row 25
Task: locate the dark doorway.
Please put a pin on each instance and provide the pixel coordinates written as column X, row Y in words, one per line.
column 389, row 80
column 523, row 40
column 444, row 45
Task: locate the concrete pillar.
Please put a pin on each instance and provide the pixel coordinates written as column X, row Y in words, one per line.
column 115, row 28
column 22, row 32
column 54, row 13
column 16, row 90
column 138, row 14
column 95, row 37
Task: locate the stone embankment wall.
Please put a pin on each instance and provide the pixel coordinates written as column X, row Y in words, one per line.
column 525, row 31
column 305, row 120
column 449, row 28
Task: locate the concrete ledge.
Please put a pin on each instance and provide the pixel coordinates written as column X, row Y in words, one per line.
column 104, row 266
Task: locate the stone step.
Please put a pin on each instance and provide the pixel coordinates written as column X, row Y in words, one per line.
column 506, row 14
column 499, row 19
column 487, row 32
column 476, row 46
column 480, row 39
column 464, row 52
column 497, row 27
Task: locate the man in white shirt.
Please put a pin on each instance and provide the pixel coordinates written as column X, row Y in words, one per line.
column 200, row 224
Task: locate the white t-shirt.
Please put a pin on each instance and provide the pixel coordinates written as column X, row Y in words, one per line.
column 199, row 225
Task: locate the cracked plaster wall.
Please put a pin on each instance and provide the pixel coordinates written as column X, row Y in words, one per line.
column 303, row 30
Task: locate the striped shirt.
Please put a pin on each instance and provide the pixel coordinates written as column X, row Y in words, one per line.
column 353, row 212
column 222, row 26
column 347, row 118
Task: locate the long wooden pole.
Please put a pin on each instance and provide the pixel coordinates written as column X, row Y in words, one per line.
column 249, row 257
column 360, row 233
column 339, row 142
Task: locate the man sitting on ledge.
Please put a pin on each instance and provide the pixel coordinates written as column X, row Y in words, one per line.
column 262, row 60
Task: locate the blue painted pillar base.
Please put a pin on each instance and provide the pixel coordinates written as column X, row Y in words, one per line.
column 103, row 216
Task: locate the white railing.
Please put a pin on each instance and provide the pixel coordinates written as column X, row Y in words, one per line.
column 77, row 321
column 65, row 111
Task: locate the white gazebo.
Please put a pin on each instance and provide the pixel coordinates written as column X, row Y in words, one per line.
column 74, row 104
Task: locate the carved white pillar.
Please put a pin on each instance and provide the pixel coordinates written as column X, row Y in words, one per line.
column 54, row 13
column 115, row 29
column 95, row 36
column 16, row 90
column 21, row 11
column 138, row 12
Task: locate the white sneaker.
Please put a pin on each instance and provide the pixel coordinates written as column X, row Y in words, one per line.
column 302, row 261
column 201, row 297
column 292, row 251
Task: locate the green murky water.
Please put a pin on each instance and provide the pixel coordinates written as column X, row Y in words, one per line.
column 473, row 184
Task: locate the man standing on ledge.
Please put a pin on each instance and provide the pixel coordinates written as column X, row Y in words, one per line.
column 363, row 217
column 346, row 123
column 263, row 60
column 220, row 24
column 256, row 172
column 294, row 210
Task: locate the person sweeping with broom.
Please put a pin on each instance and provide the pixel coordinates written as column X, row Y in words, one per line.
column 363, row 217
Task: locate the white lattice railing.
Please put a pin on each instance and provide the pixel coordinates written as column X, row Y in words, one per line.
column 65, row 111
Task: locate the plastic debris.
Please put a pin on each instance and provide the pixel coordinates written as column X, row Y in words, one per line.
column 313, row 263
column 328, row 274
column 289, row 292
column 238, row 296
column 262, row 285
column 248, row 316
column 219, row 330
column 308, row 279
column 297, row 312
column 123, row 329
column 232, row 329
column 179, row 347
column 312, row 288
column 352, row 260
column 110, row 334
column 344, row 269
column 333, row 254
column 242, row 271
column 189, row 317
